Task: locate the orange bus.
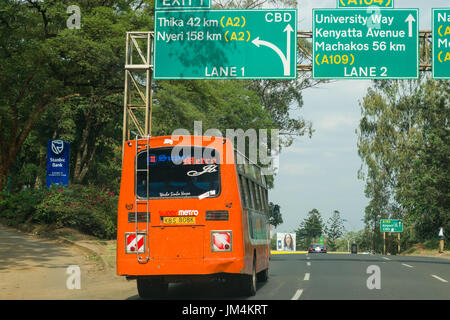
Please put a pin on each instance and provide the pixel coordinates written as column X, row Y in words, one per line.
column 188, row 211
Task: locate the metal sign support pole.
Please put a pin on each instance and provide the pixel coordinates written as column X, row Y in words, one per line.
column 137, row 108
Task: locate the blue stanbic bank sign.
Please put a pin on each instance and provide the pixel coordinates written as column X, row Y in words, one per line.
column 58, row 153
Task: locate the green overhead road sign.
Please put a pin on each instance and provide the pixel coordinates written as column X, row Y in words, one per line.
column 225, row 44
column 365, row 44
column 441, row 43
column 390, row 225
column 182, row 4
column 365, row 3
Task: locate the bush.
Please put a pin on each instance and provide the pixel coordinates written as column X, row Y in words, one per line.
column 89, row 209
column 86, row 208
column 431, row 244
column 19, row 208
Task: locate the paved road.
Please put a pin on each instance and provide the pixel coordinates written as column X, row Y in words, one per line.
column 34, row 268
column 337, row 277
column 402, row 278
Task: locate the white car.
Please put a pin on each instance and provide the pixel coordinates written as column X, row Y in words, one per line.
column 317, row 248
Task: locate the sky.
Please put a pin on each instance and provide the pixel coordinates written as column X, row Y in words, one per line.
column 322, row 172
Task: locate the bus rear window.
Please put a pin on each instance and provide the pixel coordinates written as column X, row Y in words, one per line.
column 189, row 172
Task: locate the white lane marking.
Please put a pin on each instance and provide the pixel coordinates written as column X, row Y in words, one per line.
column 440, row 279
column 308, row 264
column 307, row 258
column 297, row 294
column 306, row 277
column 407, row 265
column 386, row 258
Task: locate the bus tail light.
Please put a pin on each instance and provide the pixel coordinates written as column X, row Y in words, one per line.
column 221, row 241
column 221, row 215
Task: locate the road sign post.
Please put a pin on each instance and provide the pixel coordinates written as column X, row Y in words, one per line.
column 226, row 44
column 441, row 43
column 365, row 44
column 441, row 239
column 391, row 225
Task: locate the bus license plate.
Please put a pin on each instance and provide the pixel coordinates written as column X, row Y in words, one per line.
column 179, row 220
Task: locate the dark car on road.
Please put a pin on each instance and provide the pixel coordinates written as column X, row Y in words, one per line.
column 317, row 248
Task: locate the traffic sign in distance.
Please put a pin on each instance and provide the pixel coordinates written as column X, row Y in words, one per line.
column 365, row 3
column 225, row 44
column 441, row 43
column 365, row 44
column 182, row 4
column 390, row 225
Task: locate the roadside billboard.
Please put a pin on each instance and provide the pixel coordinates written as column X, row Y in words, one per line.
column 286, row 241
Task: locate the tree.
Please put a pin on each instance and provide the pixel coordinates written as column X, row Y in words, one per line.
column 334, row 229
column 65, row 83
column 310, row 229
column 403, row 140
column 27, row 84
column 47, row 67
column 275, row 215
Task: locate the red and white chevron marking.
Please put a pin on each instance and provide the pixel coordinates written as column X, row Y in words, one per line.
column 135, row 244
column 221, row 241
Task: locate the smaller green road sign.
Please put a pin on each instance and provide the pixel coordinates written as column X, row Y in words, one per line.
column 390, row 225
column 441, row 43
column 365, row 3
column 182, row 4
column 365, row 44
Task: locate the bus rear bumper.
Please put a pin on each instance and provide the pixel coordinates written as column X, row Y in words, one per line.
column 207, row 266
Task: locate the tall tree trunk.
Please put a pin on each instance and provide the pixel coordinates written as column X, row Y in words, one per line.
column 85, row 153
column 81, row 154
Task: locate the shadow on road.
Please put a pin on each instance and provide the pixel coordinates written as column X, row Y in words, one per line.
column 21, row 251
column 212, row 290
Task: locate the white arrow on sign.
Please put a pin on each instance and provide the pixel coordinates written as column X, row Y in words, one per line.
column 285, row 60
column 288, row 31
column 410, row 21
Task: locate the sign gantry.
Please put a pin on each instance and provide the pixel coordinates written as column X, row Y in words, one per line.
column 192, row 42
